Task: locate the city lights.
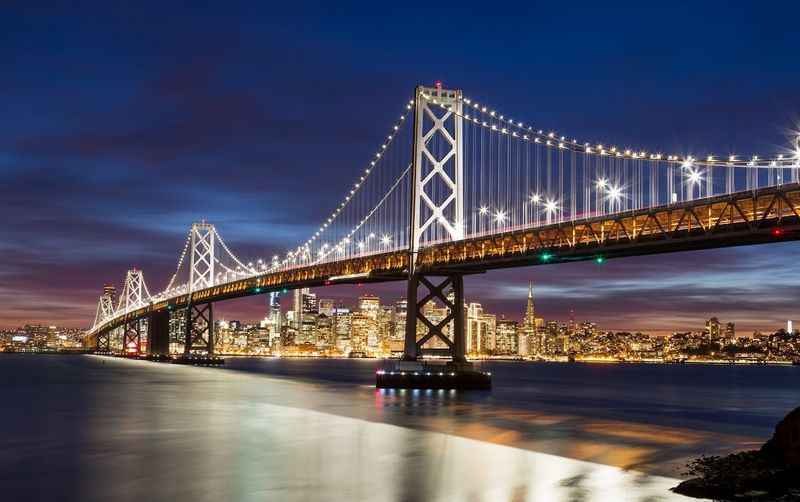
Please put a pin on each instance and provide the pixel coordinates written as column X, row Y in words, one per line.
column 614, row 193
column 694, row 176
column 797, row 147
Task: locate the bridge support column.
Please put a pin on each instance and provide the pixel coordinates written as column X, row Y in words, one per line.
column 132, row 337
column 158, row 333
column 454, row 301
column 103, row 343
column 199, row 330
column 411, row 372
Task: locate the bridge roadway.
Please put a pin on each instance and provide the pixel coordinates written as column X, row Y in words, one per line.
column 752, row 217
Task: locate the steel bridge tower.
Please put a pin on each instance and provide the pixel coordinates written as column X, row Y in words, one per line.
column 105, row 310
column 134, row 296
column 437, row 117
column 199, row 336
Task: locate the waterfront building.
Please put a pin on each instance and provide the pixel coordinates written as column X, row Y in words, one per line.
column 397, row 338
column 369, row 305
column 298, row 306
column 730, row 333
column 480, row 326
column 713, row 329
column 324, row 331
column 506, row 338
column 362, row 327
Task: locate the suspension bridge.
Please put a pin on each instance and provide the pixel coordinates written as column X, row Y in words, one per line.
column 457, row 188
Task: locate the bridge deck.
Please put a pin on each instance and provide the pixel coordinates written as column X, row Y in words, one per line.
column 743, row 218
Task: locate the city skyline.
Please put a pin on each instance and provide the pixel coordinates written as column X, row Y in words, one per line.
column 286, row 301
column 314, row 326
column 108, row 170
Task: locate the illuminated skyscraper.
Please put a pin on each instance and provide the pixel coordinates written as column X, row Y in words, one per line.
column 530, row 317
column 369, row 305
column 298, row 306
column 111, row 291
column 528, row 341
column 274, row 313
column 507, row 341
column 730, row 333
column 400, row 311
column 476, row 329
column 308, row 317
column 712, row 329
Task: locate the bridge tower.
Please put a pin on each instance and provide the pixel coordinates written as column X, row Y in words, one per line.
column 134, row 296
column 105, row 310
column 439, row 171
column 199, row 337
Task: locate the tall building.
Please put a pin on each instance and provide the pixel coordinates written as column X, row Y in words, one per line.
column 298, row 306
column 369, row 305
column 324, row 331
column 308, row 317
column 274, row 314
column 571, row 325
column 341, row 329
column 111, row 291
column 506, row 338
column 177, row 330
column 400, row 311
column 712, row 329
column 362, row 328
column 481, row 330
column 529, row 342
column 730, row 333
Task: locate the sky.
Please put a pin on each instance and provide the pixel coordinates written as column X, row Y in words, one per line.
column 120, row 125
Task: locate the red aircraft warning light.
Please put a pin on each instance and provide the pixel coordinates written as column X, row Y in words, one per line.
column 777, row 232
column 438, row 84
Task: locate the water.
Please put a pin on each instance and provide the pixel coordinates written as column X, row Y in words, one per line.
column 90, row 428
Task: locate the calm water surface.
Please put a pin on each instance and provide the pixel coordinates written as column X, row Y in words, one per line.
column 91, row 428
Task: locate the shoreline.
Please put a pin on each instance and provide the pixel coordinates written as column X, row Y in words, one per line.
column 718, row 362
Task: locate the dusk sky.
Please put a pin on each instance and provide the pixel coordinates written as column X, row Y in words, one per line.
column 119, row 126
